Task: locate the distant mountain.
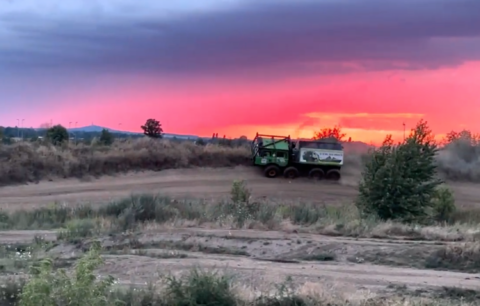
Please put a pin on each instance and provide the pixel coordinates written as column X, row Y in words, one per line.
column 96, row 129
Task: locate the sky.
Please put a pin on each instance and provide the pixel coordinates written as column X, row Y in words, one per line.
column 236, row 67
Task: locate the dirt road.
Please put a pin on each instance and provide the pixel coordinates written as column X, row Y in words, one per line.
column 258, row 259
column 198, row 183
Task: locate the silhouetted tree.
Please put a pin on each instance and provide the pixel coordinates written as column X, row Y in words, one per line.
column 106, row 138
column 335, row 132
column 464, row 135
column 200, row 142
column 152, row 128
column 57, row 134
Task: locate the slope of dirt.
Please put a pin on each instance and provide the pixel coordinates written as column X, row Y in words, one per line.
column 198, row 183
column 259, row 258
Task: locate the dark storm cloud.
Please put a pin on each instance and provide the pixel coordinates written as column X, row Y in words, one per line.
column 276, row 36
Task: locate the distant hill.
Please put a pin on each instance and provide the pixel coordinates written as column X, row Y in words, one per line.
column 97, row 129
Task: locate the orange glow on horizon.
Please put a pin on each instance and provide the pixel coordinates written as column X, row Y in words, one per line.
column 367, row 136
column 367, row 105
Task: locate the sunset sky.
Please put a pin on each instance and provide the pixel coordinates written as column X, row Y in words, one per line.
column 240, row 66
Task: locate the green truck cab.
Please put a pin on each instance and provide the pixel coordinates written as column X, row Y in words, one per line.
column 317, row 159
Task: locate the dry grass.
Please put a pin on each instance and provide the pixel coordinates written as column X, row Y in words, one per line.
column 143, row 211
column 27, row 162
column 209, row 287
column 460, row 257
column 30, row 162
column 151, row 211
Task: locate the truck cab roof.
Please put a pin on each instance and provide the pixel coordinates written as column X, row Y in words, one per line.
column 268, row 143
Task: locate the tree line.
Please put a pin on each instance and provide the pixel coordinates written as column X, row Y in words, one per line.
column 59, row 134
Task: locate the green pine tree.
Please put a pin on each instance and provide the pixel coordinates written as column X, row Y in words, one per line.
column 399, row 181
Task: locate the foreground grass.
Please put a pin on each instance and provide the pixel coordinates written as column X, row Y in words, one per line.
column 133, row 212
column 46, row 285
column 204, row 287
column 140, row 212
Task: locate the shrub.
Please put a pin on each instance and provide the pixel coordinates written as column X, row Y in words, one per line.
column 200, row 288
column 57, row 134
column 77, row 229
column 48, row 287
column 10, row 291
column 200, row 142
column 240, row 192
column 285, row 296
column 399, row 181
column 443, row 205
column 132, row 211
column 241, row 207
column 106, row 138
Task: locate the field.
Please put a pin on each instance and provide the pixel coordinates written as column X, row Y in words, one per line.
column 308, row 233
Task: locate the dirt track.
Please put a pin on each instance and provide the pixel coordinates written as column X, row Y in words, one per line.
column 198, row 183
column 258, row 259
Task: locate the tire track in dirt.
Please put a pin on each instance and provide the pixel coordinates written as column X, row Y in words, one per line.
column 252, row 270
column 361, row 276
column 196, row 183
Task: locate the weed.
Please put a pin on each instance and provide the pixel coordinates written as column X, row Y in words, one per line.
column 200, row 288
column 77, row 229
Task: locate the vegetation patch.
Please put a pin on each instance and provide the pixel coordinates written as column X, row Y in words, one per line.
column 464, row 257
column 320, row 257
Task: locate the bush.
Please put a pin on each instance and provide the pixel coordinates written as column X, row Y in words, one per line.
column 10, row 291
column 77, row 229
column 48, row 287
column 200, row 288
column 241, row 207
column 443, row 205
column 57, row 134
column 399, row 181
column 106, row 138
column 132, row 211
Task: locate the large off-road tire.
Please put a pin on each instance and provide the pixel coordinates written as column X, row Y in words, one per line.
column 333, row 175
column 291, row 173
column 271, row 171
column 316, row 174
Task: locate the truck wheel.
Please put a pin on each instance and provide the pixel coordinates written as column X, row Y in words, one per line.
column 316, row 174
column 291, row 173
column 333, row 175
column 271, row 171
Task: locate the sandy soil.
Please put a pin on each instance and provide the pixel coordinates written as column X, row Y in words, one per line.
column 255, row 258
column 260, row 258
column 203, row 183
